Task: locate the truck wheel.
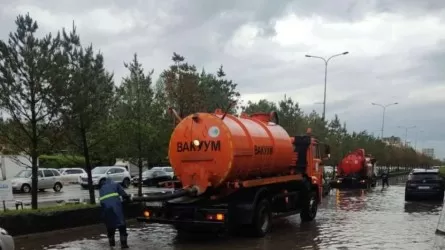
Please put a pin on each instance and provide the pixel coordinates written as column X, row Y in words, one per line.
column 262, row 219
column 310, row 207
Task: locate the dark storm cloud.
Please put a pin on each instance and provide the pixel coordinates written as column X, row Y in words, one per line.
column 203, row 31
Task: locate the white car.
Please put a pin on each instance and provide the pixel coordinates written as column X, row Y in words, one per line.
column 6, row 240
column 167, row 169
column 47, row 178
column 71, row 175
column 117, row 174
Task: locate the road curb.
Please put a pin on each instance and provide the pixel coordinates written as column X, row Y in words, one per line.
column 440, row 229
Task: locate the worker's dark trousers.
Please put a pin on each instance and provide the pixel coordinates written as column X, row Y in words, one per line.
column 122, row 233
column 385, row 182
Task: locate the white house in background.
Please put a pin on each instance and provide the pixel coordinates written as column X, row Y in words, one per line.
column 13, row 164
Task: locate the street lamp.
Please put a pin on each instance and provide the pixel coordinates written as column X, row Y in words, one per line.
column 406, row 131
column 326, row 76
column 384, row 111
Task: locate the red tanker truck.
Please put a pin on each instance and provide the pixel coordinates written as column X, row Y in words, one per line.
column 356, row 170
column 238, row 173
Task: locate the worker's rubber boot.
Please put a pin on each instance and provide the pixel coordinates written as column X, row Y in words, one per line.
column 124, row 242
column 112, row 241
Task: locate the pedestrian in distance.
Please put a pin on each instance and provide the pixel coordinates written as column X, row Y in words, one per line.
column 385, row 178
column 112, row 212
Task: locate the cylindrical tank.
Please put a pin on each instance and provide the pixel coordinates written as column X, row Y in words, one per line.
column 352, row 163
column 206, row 150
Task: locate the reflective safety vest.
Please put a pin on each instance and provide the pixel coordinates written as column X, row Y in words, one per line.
column 109, row 196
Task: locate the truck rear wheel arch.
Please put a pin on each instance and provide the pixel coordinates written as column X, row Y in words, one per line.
column 246, row 203
column 262, row 218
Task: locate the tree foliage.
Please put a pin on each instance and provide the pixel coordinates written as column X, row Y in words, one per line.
column 28, row 76
column 88, row 96
column 135, row 114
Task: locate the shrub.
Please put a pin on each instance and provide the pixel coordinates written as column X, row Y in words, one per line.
column 61, row 161
column 46, row 210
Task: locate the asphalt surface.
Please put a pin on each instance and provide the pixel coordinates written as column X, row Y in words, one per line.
column 376, row 219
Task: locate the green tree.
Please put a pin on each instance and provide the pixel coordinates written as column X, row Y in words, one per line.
column 291, row 117
column 87, row 99
column 136, row 97
column 28, row 72
column 218, row 92
column 181, row 83
column 262, row 105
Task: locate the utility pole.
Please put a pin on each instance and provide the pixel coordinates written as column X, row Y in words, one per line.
column 326, row 61
column 384, row 111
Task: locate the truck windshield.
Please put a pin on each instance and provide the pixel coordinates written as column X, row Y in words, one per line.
column 24, row 174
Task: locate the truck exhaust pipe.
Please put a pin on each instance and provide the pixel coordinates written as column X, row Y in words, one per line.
column 192, row 191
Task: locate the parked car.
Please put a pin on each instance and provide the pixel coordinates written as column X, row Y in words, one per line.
column 6, row 240
column 167, row 169
column 47, row 178
column 71, row 175
column 424, row 183
column 152, row 177
column 117, row 174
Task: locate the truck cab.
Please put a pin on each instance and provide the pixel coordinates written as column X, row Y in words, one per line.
column 309, row 158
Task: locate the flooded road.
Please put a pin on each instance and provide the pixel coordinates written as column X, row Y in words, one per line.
column 377, row 219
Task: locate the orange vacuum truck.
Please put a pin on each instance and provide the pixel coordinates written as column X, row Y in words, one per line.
column 356, row 170
column 237, row 173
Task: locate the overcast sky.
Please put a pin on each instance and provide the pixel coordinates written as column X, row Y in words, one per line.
column 396, row 50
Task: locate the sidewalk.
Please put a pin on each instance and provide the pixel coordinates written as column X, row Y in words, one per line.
column 439, row 241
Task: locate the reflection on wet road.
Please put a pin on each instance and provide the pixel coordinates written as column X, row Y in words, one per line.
column 378, row 219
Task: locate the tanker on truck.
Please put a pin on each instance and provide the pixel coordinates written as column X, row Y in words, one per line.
column 237, row 173
column 356, row 170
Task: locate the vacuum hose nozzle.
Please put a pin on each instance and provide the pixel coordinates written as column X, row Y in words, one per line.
column 168, row 196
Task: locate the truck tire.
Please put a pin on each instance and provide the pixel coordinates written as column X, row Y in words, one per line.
column 309, row 206
column 262, row 219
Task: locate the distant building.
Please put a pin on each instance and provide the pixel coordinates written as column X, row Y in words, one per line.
column 428, row 152
column 393, row 141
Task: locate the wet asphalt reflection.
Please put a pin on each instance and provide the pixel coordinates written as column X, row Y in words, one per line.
column 376, row 219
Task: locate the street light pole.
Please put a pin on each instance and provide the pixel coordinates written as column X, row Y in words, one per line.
column 406, row 132
column 384, row 111
column 326, row 76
